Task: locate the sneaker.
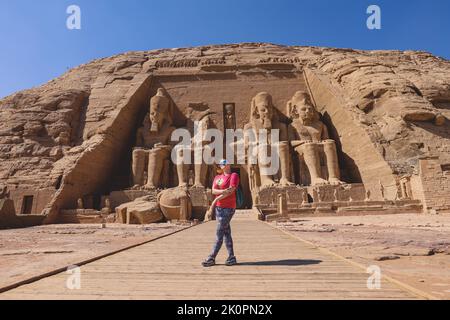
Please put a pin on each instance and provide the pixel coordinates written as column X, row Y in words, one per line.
column 208, row 262
column 231, row 261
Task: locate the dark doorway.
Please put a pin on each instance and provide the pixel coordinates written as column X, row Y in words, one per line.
column 27, row 204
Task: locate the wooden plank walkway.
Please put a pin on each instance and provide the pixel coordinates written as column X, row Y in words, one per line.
column 273, row 265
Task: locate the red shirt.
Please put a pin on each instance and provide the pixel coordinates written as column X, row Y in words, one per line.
column 222, row 182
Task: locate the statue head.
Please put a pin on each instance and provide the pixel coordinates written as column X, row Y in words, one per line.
column 301, row 108
column 262, row 110
column 229, row 109
column 160, row 111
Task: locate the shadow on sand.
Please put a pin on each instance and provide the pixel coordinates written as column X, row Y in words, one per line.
column 289, row 262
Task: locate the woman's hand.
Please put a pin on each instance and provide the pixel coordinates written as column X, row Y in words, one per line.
column 228, row 192
column 208, row 216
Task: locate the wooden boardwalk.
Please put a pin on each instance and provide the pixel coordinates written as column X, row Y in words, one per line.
column 273, row 265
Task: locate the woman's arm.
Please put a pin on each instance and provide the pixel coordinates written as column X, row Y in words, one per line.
column 209, row 213
column 225, row 193
column 217, row 192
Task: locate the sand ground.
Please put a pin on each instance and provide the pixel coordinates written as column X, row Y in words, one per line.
column 412, row 248
column 25, row 253
column 271, row 265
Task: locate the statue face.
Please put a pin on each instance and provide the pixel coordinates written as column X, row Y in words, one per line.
column 264, row 107
column 303, row 110
column 159, row 110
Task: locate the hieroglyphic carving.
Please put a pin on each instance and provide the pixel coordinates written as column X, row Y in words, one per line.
column 189, row 63
column 280, row 60
column 213, row 61
column 185, row 63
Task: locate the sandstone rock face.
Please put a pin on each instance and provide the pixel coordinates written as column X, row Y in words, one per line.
column 72, row 137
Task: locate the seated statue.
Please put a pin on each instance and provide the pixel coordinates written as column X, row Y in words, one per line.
column 263, row 117
column 198, row 124
column 309, row 138
column 153, row 142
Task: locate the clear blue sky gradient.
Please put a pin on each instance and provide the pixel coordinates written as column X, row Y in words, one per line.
column 36, row 46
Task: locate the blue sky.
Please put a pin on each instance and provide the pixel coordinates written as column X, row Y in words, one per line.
column 36, row 46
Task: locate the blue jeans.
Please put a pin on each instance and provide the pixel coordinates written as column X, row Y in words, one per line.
column 223, row 217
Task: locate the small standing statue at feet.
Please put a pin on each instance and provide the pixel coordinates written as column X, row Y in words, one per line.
column 382, row 191
column 309, row 138
column 368, row 193
column 80, row 204
column 305, row 199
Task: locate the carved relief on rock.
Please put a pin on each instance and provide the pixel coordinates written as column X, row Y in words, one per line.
column 229, row 116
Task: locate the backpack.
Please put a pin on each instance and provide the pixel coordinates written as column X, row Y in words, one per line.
column 239, row 197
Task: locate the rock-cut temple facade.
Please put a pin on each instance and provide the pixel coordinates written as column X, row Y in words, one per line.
column 360, row 132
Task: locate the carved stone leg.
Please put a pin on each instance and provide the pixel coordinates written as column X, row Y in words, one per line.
column 181, row 168
column 265, row 167
column 334, row 176
column 199, row 168
column 200, row 175
column 285, row 164
column 138, row 166
column 311, row 156
column 165, row 178
column 156, row 159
